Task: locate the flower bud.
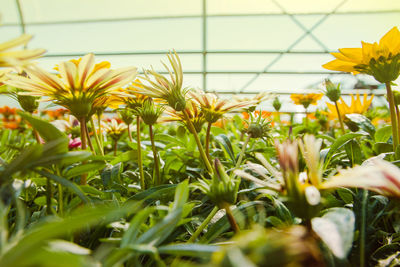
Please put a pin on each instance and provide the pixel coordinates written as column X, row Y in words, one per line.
column 277, row 104
column 28, row 103
column 332, row 91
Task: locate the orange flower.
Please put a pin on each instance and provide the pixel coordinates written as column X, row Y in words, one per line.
column 57, row 113
column 7, row 111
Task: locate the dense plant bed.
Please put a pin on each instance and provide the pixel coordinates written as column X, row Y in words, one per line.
column 140, row 171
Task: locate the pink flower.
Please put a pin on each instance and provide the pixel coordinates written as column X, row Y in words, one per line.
column 75, row 142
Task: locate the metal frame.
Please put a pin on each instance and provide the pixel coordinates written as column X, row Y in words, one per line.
column 308, row 31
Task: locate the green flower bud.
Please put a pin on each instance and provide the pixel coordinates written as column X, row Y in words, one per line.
column 332, row 91
column 277, row 104
column 126, row 115
column 222, row 189
column 150, row 112
column 28, row 103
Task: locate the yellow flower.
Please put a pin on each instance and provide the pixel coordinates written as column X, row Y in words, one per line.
column 115, row 129
column 78, row 86
column 131, row 96
column 169, row 90
column 17, row 57
column 213, row 107
column 379, row 60
column 306, row 100
column 356, row 106
column 194, row 113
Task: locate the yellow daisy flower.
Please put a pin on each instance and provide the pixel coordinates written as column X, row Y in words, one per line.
column 77, row 86
column 160, row 87
column 306, row 100
column 356, row 106
column 380, row 60
column 213, row 107
column 17, row 57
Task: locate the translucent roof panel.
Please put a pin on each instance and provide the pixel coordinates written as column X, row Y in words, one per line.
column 230, row 46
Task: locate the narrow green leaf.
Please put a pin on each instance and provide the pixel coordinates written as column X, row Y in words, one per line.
column 46, row 130
column 190, row 250
column 28, row 244
column 338, row 144
column 66, row 183
column 226, row 143
column 84, row 168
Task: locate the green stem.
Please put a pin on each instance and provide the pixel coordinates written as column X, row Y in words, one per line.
column 363, row 233
column 197, row 139
column 153, row 146
column 398, row 119
column 242, row 151
column 83, row 145
column 60, row 200
column 306, row 117
column 115, row 146
column 129, row 133
column 203, row 225
column 340, row 117
column 48, row 196
column 208, row 141
column 89, row 140
column 96, row 137
column 139, row 153
column 231, row 219
column 392, row 115
column 100, row 132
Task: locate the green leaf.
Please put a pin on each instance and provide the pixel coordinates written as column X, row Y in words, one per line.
column 223, row 225
column 380, row 147
column 46, row 130
column 29, row 154
column 41, row 201
column 90, row 190
column 355, row 122
column 338, row 144
column 130, row 236
column 345, row 194
column 66, row 183
column 226, row 143
column 336, row 229
column 383, row 134
column 84, row 168
column 28, row 244
column 190, row 250
column 126, row 156
column 159, row 232
column 354, row 153
column 155, row 193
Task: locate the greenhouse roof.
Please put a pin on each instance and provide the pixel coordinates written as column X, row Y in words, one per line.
column 225, row 46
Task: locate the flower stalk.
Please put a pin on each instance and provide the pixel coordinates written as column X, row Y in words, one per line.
column 392, row 115
column 340, row 118
column 157, row 179
column 96, row 137
column 197, row 139
column 203, row 225
column 208, row 141
column 83, row 145
column 139, row 153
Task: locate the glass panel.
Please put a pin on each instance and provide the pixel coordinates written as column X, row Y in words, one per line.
column 180, row 34
column 77, row 10
column 349, row 30
column 251, row 33
column 8, row 12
